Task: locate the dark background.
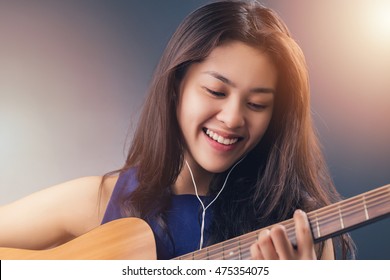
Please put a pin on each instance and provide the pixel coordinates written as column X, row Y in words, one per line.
column 73, row 75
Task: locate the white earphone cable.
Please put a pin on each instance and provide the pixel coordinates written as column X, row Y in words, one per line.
column 215, row 198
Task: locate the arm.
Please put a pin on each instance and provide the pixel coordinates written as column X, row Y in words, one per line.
column 55, row 215
column 274, row 244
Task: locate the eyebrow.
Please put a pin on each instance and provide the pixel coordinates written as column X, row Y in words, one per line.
column 230, row 83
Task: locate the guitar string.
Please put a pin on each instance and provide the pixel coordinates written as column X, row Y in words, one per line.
column 350, row 204
column 361, row 199
column 358, row 209
column 233, row 254
column 347, row 206
column 288, row 224
column 232, row 241
column 346, row 209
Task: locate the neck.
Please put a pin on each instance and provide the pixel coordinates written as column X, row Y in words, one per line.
column 184, row 184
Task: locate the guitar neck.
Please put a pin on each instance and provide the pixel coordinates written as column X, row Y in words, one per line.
column 325, row 222
column 348, row 214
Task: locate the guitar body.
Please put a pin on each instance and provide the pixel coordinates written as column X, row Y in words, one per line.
column 123, row 239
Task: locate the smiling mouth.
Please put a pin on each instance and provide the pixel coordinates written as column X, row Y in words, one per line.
column 220, row 139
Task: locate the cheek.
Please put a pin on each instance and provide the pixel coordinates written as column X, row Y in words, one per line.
column 259, row 128
column 187, row 113
column 194, row 107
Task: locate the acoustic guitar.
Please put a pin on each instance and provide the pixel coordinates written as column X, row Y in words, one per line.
column 131, row 238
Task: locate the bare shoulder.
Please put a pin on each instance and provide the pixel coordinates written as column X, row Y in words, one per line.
column 55, row 215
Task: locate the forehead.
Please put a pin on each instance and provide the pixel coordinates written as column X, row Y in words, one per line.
column 242, row 64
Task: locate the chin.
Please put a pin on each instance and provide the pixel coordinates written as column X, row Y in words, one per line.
column 217, row 169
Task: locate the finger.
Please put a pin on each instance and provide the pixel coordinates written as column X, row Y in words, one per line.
column 282, row 244
column 304, row 236
column 266, row 245
column 256, row 252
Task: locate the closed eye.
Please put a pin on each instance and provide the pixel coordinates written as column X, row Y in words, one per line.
column 215, row 93
column 256, row 106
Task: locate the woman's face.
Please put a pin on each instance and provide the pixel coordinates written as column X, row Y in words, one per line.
column 225, row 105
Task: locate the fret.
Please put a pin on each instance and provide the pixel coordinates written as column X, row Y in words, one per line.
column 230, row 249
column 376, row 206
column 357, row 210
column 246, row 255
column 291, row 235
column 201, row 254
column 196, row 255
column 317, row 226
column 337, row 218
column 353, row 213
column 223, row 250
column 365, row 208
column 231, row 254
column 341, row 218
column 239, row 250
column 326, row 222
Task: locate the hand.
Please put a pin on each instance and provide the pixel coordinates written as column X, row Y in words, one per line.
column 273, row 244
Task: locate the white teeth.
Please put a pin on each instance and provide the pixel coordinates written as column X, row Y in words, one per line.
column 226, row 141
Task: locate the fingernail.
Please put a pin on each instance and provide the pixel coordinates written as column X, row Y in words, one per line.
column 265, row 232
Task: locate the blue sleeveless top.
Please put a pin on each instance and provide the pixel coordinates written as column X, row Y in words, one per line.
column 183, row 219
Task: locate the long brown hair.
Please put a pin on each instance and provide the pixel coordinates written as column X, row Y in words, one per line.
column 285, row 171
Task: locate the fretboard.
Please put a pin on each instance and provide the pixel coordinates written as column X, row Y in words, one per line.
column 325, row 222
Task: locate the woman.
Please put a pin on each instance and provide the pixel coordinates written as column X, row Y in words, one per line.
column 224, row 146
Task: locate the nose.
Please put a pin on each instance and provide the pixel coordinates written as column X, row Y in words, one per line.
column 231, row 114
